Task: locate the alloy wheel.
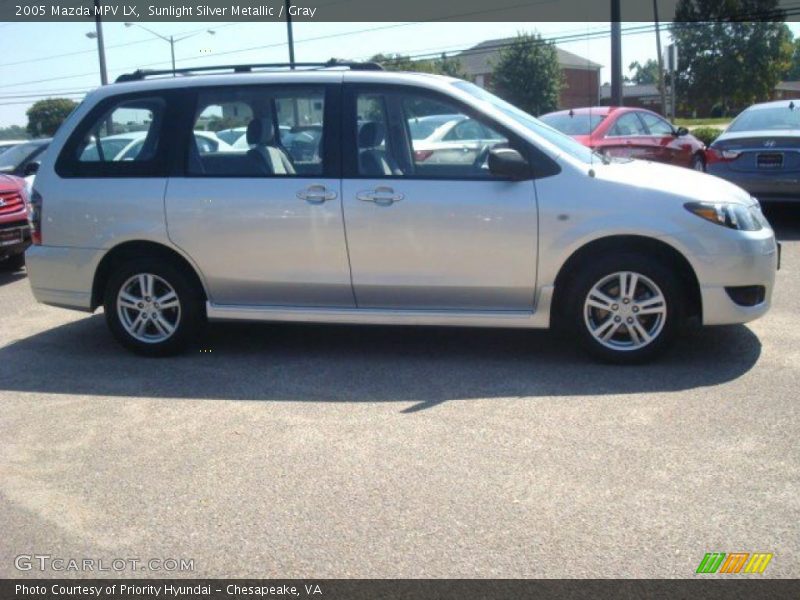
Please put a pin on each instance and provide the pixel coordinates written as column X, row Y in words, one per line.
column 625, row 311
column 149, row 308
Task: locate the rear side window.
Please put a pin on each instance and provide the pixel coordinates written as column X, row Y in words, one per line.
column 121, row 137
column 257, row 131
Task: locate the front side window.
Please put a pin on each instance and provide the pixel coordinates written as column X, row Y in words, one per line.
column 656, row 125
column 628, row 125
column 135, row 123
column 253, row 131
column 423, row 137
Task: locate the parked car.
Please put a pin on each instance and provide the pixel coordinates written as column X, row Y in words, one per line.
column 15, row 235
column 423, row 127
column 461, row 140
column 126, row 146
column 630, row 133
column 8, row 144
column 22, row 160
column 540, row 231
column 760, row 151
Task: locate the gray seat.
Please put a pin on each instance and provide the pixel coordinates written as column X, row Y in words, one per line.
column 265, row 153
column 373, row 161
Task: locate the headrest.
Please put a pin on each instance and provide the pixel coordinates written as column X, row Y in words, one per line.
column 370, row 134
column 260, row 131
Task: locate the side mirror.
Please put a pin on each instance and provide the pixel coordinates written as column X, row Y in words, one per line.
column 681, row 131
column 31, row 168
column 507, row 162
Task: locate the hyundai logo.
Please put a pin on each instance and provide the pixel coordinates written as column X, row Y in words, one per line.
column 769, row 144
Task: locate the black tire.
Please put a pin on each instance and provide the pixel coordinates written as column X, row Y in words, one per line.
column 698, row 163
column 594, row 271
column 13, row 263
column 190, row 299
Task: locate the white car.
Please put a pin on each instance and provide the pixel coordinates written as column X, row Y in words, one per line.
column 6, row 144
column 459, row 139
column 536, row 231
column 126, row 146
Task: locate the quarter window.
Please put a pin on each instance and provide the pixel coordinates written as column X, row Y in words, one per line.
column 133, row 124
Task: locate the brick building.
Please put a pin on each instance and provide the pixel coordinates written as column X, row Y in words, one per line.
column 581, row 75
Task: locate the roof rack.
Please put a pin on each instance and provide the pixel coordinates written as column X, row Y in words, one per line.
column 141, row 74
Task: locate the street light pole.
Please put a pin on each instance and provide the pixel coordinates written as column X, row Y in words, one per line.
column 616, row 55
column 101, row 51
column 289, row 34
column 171, row 40
column 661, row 88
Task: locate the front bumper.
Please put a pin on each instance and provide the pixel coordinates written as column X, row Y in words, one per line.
column 14, row 239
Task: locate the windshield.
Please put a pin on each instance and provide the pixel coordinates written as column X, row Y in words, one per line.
column 780, row 117
column 555, row 137
column 573, row 124
column 12, row 158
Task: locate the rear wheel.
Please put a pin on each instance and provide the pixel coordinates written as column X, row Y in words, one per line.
column 152, row 307
column 625, row 308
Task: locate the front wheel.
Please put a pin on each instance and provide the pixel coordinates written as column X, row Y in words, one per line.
column 152, row 308
column 625, row 308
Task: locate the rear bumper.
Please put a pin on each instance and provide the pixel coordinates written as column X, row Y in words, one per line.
column 763, row 186
column 62, row 276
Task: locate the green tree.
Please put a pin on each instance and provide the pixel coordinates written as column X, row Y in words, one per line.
column 726, row 62
column 13, row 132
column 793, row 72
column 45, row 116
column 643, row 74
column 528, row 75
column 443, row 65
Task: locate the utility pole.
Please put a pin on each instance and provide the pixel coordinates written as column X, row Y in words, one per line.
column 101, row 50
column 616, row 54
column 172, row 52
column 289, row 33
column 661, row 88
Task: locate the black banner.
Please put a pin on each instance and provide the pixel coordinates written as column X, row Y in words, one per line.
column 408, row 589
column 366, row 10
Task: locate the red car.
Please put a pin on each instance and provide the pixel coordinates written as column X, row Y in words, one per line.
column 15, row 233
column 630, row 133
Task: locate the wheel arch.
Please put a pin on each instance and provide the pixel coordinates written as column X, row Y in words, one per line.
column 139, row 249
column 628, row 243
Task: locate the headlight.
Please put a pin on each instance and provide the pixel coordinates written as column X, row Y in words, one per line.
column 733, row 216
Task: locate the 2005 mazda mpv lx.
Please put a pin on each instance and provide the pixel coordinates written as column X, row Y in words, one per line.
column 327, row 209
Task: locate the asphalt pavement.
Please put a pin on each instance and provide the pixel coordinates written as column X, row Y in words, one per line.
column 329, row 451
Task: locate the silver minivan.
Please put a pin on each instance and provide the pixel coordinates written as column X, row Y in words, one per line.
column 333, row 212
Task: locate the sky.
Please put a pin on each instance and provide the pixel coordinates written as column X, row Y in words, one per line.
column 39, row 60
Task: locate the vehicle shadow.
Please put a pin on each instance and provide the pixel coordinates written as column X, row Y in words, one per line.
column 7, row 276
column 329, row 363
column 785, row 219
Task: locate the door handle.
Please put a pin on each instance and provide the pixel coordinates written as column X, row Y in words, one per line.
column 382, row 195
column 316, row 194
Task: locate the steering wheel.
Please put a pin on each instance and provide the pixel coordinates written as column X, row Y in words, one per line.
column 483, row 156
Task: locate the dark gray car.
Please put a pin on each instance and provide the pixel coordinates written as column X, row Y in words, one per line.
column 760, row 151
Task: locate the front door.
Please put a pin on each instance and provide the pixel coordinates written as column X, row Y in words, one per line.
column 438, row 235
column 261, row 217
